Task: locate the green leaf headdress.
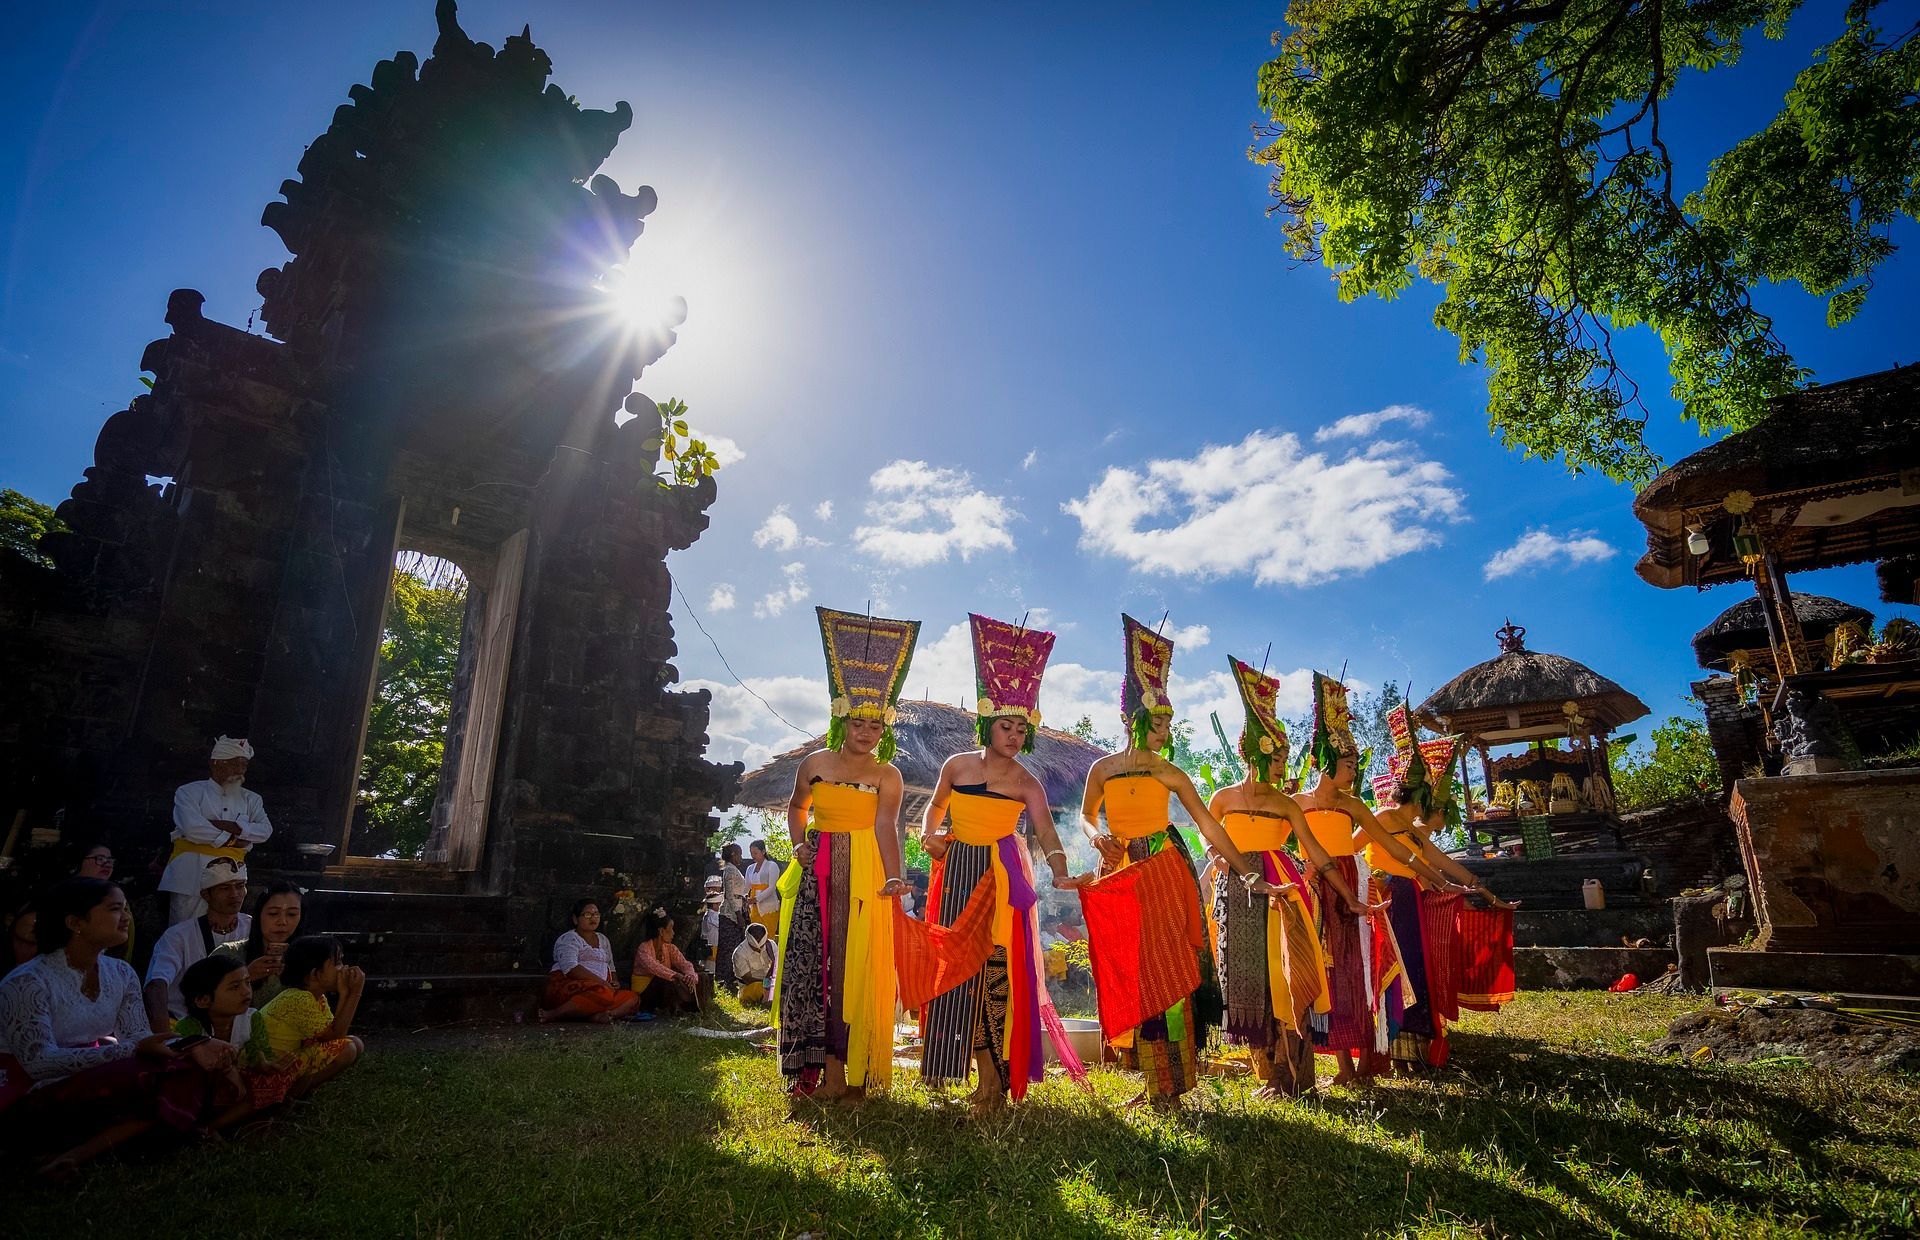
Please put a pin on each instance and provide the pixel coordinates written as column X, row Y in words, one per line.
column 1263, row 738
column 1143, row 685
column 867, row 658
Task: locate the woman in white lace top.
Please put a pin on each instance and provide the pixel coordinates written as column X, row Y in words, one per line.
column 78, row 1060
column 582, row 985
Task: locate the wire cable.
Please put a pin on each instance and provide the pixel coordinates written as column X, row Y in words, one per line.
column 695, row 617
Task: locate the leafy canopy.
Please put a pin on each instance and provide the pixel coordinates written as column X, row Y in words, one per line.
column 1511, row 151
column 23, row 519
column 1679, row 765
column 407, row 725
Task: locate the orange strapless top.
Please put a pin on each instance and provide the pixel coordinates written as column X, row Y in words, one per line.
column 1333, row 828
column 844, row 807
column 1255, row 830
column 1137, row 806
column 983, row 820
column 1383, row 861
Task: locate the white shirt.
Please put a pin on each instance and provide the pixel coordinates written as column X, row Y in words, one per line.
column 195, row 806
column 766, row 874
column 710, row 928
column 53, row 1029
column 571, row 951
column 179, row 947
column 751, row 964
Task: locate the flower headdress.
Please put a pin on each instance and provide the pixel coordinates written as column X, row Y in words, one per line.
column 1143, row 686
column 867, row 659
column 1423, row 778
column 1263, row 738
column 1332, row 724
column 1008, row 661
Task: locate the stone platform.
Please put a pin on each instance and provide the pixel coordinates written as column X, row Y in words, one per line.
column 1586, row 968
column 1864, row 973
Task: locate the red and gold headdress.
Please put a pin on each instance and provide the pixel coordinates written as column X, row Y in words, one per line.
column 867, row 658
column 1263, row 738
column 1332, row 724
column 1008, row 661
column 1143, row 684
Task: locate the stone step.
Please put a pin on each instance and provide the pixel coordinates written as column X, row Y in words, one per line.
column 1534, row 927
column 438, row 952
column 1586, row 968
column 1862, row 973
column 338, row 910
column 411, row 1001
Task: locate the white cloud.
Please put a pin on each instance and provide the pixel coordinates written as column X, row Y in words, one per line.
column 1267, row 508
column 1033, row 454
column 793, row 589
column 824, row 510
column 1191, row 637
column 721, row 599
column 1536, row 549
column 725, row 450
column 742, row 729
column 921, row 515
column 1362, row 425
column 781, row 532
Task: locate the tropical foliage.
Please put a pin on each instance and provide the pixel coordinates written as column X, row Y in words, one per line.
column 407, row 727
column 1511, row 152
column 1677, row 765
column 23, row 520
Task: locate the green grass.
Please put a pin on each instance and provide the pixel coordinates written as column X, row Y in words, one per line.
column 1554, row 1123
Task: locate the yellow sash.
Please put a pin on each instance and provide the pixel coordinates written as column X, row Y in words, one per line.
column 232, row 852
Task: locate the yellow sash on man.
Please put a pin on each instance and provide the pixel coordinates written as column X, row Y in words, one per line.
column 235, row 853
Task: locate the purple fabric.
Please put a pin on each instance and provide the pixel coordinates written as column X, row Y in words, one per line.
column 1403, row 913
column 1021, row 897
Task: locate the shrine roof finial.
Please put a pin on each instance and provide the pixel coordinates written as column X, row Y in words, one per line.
column 1512, row 637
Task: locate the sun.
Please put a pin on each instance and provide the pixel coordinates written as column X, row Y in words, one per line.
column 638, row 304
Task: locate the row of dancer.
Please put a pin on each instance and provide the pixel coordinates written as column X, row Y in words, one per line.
column 1297, row 971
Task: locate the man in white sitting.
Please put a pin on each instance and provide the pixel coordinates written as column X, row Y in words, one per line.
column 185, row 942
column 212, row 818
column 753, row 964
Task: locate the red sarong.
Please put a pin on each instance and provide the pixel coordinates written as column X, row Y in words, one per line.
column 1145, row 933
column 931, row 958
column 1440, row 926
column 1486, row 955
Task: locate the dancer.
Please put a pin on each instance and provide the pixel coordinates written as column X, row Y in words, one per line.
column 1416, row 799
column 1267, row 951
column 1143, row 913
column 836, row 986
column 995, row 1015
column 1366, row 985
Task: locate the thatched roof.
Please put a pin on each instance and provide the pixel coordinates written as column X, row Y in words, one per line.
column 1521, row 695
column 1743, row 626
column 1857, row 434
column 928, row 733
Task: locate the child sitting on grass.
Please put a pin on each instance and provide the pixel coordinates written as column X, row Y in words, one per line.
column 301, row 1023
column 220, row 1002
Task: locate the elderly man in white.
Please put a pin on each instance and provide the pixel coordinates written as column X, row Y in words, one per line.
column 214, row 817
column 223, row 925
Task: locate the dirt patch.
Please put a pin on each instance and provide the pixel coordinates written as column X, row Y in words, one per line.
column 1836, row 1040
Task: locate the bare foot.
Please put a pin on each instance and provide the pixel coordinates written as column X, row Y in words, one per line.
column 984, row 1105
column 850, row 1097
column 57, row 1170
column 1267, row 1093
column 543, row 1016
column 601, row 1018
column 1345, row 1078
column 1137, row 1101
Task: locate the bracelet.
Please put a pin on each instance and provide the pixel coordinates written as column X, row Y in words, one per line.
column 1248, row 879
column 1322, row 869
column 1055, row 852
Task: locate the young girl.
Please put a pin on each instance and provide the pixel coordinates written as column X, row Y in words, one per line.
column 220, row 1003
column 277, row 918
column 301, row 1023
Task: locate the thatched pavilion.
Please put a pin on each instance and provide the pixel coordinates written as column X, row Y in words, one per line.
column 927, row 734
column 1530, row 697
column 1738, row 641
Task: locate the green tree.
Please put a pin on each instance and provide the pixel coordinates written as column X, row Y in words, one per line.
column 23, row 519
column 1511, row 152
column 1679, row 765
column 407, row 726
column 1085, row 730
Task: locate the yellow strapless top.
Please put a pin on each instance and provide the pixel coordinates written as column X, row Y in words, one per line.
column 1255, row 830
column 844, row 807
column 983, row 820
column 1333, row 828
column 1382, row 860
column 1137, row 806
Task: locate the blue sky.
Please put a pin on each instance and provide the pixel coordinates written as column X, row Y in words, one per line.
column 948, row 270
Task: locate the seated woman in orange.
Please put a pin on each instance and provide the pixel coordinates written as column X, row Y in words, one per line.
column 995, row 1017
column 582, row 984
column 837, row 985
column 1267, row 951
column 1365, row 981
column 1136, row 787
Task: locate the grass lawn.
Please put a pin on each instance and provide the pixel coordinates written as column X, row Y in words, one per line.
column 1553, row 1123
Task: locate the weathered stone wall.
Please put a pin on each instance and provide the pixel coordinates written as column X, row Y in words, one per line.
column 1833, row 860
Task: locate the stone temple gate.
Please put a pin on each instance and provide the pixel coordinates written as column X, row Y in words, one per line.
column 443, row 376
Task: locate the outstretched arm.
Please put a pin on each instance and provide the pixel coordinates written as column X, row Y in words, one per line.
column 886, row 829
column 1110, row 849
column 1321, row 860
column 1210, row 827
column 799, row 808
column 1460, row 874
column 931, row 837
column 1040, row 820
column 1379, row 834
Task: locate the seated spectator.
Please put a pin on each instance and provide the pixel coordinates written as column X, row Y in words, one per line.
column 96, row 861
column 80, row 1069
column 753, row 964
column 20, row 944
column 662, row 976
column 277, row 917
column 194, row 939
column 582, row 985
column 220, row 1003
column 301, row 1023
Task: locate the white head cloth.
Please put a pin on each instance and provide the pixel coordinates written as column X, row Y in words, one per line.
column 231, row 747
column 220, row 870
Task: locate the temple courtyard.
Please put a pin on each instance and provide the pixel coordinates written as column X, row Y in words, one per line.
column 1558, row 1119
